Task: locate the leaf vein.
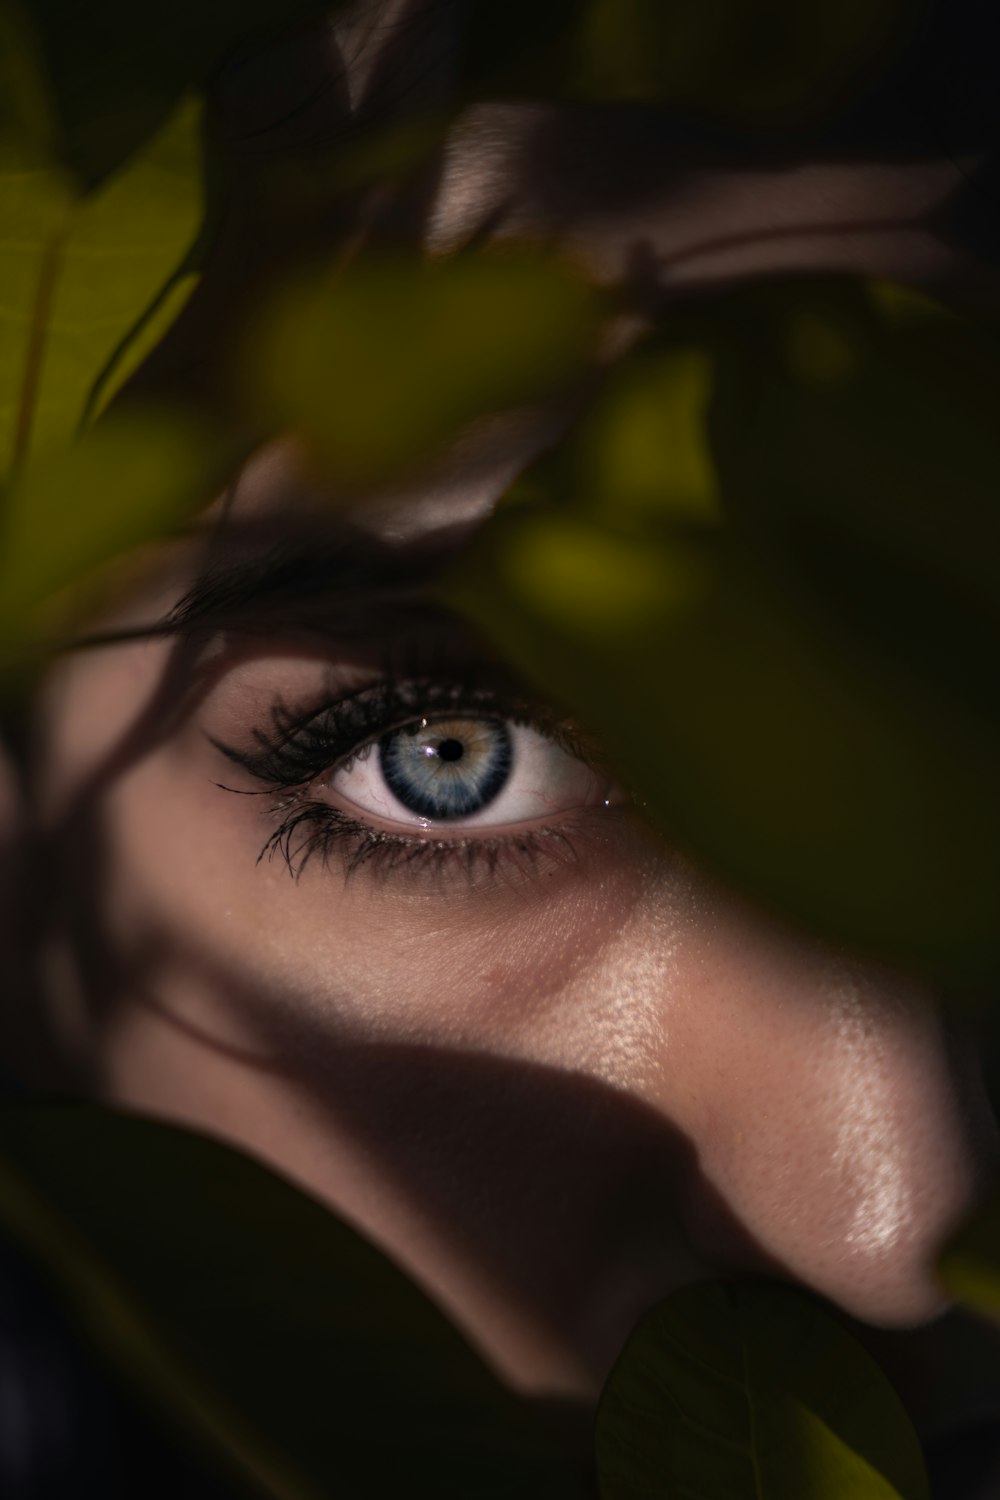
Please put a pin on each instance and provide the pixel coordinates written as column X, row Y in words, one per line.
column 697, row 1361
column 721, row 1438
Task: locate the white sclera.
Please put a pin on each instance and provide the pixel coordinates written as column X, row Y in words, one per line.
column 545, row 782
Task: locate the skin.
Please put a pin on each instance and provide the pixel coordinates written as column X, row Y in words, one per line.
column 556, row 1094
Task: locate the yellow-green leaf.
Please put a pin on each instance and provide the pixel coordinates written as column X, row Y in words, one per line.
column 79, row 274
column 377, row 365
column 131, row 477
column 969, row 1269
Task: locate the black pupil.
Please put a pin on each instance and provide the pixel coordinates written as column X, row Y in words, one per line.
column 449, row 769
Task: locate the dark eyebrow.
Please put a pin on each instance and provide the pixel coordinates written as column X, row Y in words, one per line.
column 338, row 572
column 344, row 582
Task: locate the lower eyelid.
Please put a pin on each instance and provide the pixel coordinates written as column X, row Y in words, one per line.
column 319, row 833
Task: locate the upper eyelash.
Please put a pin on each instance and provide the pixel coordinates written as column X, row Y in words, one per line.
column 302, row 746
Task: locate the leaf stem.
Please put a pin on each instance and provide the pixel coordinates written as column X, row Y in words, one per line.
column 48, row 275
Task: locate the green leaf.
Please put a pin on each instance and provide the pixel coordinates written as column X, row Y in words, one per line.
column 83, row 278
column 969, row 1268
column 751, row 1390
column 25, row 105
column 848, row 417
column 377, row 365
column 264, row 1324
column 134, row 476
column 787, row 652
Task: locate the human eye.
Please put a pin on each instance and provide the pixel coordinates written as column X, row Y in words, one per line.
column 424, row 772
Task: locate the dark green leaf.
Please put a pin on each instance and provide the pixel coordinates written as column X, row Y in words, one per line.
column 847, row 417
column 255, row 1317
column 751, row 1390
column 787, row 652
column 117, row 70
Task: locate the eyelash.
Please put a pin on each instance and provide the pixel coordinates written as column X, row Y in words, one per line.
column 301, row 747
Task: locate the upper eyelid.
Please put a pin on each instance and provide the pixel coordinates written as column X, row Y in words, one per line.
column 500, row 701
column 464, row 699
column 435, row 648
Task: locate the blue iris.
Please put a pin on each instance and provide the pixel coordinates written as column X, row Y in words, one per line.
column 449, row 769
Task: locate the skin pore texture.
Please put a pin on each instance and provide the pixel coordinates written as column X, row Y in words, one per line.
column 552, row 1087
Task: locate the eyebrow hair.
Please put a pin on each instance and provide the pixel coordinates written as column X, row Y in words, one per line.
column 302, row 572
column 344, row 580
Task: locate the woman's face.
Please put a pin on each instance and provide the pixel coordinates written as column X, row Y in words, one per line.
column 331, row 885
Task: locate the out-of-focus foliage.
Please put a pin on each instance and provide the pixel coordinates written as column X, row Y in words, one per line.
column 752, row 1390
column 776, row 64
column 271, row 1330
column 378, row 364
column 80, row 273
column 65, row 514
column 103, row 199
column 116, row 71
column 969, row 1269
column 764, row 568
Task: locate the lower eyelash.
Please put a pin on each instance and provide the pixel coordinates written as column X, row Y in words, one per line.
column 311, row 828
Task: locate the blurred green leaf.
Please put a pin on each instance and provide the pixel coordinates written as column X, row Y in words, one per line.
column 749, row 63
column 780, row 618
column 85, row 280
column 133, row 476
column 25, row 104
column 643, row 456
column 864, row 418
column 752, row 1390
column 969, row 1268
column 260, row 1321
column 376, row 365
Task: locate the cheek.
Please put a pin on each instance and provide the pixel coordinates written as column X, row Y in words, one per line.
column 488, row 961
